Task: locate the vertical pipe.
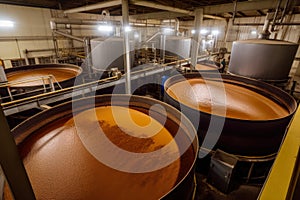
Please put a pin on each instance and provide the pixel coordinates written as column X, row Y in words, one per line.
column 88, row 56
column 176, row 27
column 162, row 48
column 125, row 17
column 12, row 165
column 265, row 32
column 197, row 37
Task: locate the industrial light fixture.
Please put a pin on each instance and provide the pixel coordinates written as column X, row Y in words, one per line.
column 253, row 32
column 6, row 23
column 127, row 29
column 215, row 32
column 203, row 31
column 105, row 28
column 193, row 31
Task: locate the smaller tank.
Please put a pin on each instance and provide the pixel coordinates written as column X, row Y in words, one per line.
column 267, row 60
column 109, row 53
column 178, row 46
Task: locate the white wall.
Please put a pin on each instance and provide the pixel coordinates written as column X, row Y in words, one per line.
column 28, row 22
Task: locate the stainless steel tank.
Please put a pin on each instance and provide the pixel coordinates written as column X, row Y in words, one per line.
column 178, row 46
column 55, row 154
column 252, row 126
column 267, row 60
column 108, row 53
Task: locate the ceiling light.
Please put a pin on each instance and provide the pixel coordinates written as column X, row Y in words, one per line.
column 203, row 31
column 6, row 23
column 105, row 28
column 193, row 31
column 253, row 32
column 215, row 32
column 127, row 28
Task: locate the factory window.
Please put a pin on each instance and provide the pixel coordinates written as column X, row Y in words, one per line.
column 18, row 62
column 44, row 60
column 31, row 61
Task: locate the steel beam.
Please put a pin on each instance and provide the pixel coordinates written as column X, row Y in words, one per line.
column 100, row 5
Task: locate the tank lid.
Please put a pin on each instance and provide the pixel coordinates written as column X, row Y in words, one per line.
column 264, row 41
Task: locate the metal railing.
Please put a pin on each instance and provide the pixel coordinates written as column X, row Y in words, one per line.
column 47, row 83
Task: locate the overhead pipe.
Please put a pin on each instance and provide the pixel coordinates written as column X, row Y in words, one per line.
column 284, row 10
column 275, row 15
column 100, row 5
column 161, row 7
column 171, row 9
column 69, row 36
column 55, row 21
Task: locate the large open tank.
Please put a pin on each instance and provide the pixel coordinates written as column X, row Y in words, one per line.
column 31, row 76
column 267, row 60
column 109, row 147
column 35, row 79
column 252, row 116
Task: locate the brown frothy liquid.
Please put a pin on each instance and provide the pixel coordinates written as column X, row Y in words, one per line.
column 241, row 103
column 59, row 166
column 23, row 75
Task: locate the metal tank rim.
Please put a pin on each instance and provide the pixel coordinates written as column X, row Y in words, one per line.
column 22, row 131
column 250, row 83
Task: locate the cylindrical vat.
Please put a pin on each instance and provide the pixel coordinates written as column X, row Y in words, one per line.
column 250, row 116
column 31, row 80
column 178, row 46
column 267, row 60
column 95, row 151
column 109, row 53
column 30, row 76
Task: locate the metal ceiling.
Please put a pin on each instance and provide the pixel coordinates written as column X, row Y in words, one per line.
column 116, row 10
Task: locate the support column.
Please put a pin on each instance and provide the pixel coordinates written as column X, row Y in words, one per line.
column 196, row 39
column 162, row 48
column 88, row 56
column 12, row 164
column 125, row 18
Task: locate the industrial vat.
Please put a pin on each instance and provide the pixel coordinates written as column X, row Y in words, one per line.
column 256, row 118
column 31, row 80
column 32, row 76
column 267, row 60
column 62, row 164
column 109, row 53
column 178, row 46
